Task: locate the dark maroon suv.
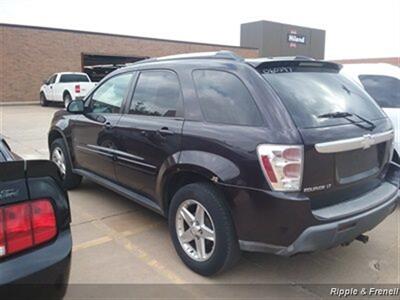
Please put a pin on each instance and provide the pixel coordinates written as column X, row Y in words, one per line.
column 275, row 155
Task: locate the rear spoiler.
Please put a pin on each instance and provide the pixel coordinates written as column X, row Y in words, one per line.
column 287, row 66
column 13, row 170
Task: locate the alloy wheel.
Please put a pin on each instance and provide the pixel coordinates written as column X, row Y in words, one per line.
column 195, row 230
column 58, row 158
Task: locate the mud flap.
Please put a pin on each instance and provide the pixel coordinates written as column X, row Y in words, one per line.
column 393, row 174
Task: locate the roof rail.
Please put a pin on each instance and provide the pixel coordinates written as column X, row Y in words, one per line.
column 222, row 54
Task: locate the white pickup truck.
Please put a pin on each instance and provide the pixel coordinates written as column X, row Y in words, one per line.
column 65, row 87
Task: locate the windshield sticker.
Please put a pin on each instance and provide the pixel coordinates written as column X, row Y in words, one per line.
column 278, row 70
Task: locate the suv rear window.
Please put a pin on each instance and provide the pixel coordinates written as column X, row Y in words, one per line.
column 225, row 99
column 74, row 78
column 384, row 89
column 310, row 91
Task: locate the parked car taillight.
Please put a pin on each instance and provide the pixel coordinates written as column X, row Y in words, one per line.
column 77, row 88
column 282, row 166
column 26, row 225
column 2, row 238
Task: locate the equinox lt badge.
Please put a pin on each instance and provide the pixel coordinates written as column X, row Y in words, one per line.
column 317, row 188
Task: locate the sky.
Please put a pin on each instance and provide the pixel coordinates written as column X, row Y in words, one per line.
column 354, row 28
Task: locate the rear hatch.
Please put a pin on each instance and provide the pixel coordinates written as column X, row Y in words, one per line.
column 347, row 138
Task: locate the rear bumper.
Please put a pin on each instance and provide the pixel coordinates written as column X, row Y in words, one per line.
column 46, row 265
column 286, row 224
column 328, row 235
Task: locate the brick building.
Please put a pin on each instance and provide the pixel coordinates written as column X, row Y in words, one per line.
column 29, row 55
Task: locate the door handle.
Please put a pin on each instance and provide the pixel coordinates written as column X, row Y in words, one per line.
column 165, row 131
column 108, row 126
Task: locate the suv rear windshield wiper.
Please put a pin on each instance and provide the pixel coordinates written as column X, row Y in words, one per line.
column 347, row 116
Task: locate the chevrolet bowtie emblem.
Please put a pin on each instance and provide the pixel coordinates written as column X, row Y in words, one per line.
column 368, row 140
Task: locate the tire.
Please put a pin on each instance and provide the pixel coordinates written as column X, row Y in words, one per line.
column 67, row 99
column 222, row 254
column 43, row 100
column 69, row 179
column 396, row 157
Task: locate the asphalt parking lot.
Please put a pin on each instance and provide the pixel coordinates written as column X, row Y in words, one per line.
column 118, row 241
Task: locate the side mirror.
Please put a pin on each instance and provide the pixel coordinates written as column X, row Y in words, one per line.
column 45, row 82
column 76, row 107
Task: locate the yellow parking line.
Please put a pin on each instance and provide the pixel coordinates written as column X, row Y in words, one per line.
column 92, row 243
column 121, row 239
column 139, row 230
column 153, row 263
column 106, row 239
column 139, row 253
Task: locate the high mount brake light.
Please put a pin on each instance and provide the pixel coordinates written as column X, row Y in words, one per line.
column 282, row 166
column 26, row 225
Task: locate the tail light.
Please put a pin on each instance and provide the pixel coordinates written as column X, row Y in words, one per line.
column 2, row 237
column 282, row 166
column 77, row 88
column 26, row 225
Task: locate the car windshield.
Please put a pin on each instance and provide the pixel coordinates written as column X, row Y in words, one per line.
column 308, row 93
column 74, row 78
column 3, row 149
column 2, row 158
column 384, row 89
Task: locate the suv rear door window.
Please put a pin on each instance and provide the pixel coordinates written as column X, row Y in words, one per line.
column 225, row 99
column 309, row 92
column 74, row 78
column 109, row 96
column 384, row 89
column 157, row 93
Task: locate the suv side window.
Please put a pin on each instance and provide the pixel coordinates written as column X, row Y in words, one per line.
column 108, row 97
column 157, row 93
column 225, row 99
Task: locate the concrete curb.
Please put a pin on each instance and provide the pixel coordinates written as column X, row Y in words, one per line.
column 19, row 103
